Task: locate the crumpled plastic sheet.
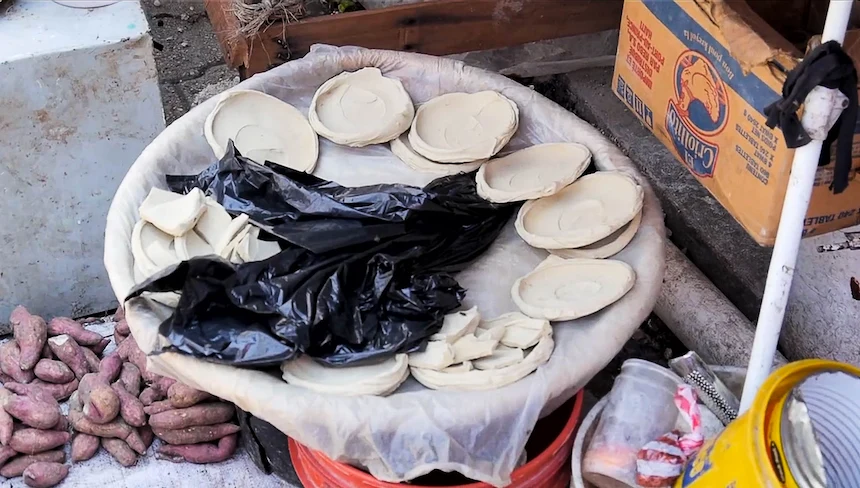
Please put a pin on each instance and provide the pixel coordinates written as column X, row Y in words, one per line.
column 364, row 273
column 414, row 430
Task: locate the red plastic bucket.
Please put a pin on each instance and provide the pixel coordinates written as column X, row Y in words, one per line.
column 549, row 469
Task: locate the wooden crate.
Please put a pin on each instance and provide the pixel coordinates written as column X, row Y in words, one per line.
column 437, row 27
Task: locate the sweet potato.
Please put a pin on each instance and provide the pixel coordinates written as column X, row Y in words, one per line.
column 32, row 441
column 38, row 392
column 45, row 475
column 10, row 363
column 182, row 396
column 150, row 395
column 119, row 338
column 129, row 376
column 204, row 414
column 146, row 435
column 30, row 332
column 59, row 392
column 200, row 453
column 69, row 351
column 196, row 434
column 135, row 441
column 158, row 407
column 46, row 352
column 99, row 348
column 53, row 371
column 117, row 429
column 127, row 349
column 80, row 423
column 37, row 412
column 16, row 466
column 130, row 351
column 130, row 408
column 92, row 359
column 120, row 451
column 110, row 367
column 101, row 405
column 163, row 384
column 7, row 426
column 121, row 327
column 119, row 314
column 62, row 424
column 84, row 447
column 65, row 326
column 6, row 453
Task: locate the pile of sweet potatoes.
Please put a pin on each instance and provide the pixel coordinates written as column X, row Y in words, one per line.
column 193, row 426
column 114, row 403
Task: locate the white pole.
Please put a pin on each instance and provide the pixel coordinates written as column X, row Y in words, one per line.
column 794, row 208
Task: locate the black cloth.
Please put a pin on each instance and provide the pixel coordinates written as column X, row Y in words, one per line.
column 829, row 66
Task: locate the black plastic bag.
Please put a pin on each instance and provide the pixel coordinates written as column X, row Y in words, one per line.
column 363, row 273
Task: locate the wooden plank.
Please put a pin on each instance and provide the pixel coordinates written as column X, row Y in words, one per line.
column 438, row 27
column 225, row 25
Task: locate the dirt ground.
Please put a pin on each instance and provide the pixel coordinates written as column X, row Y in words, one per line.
column 190, row 63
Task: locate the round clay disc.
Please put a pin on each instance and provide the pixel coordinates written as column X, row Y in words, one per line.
column 566, row 289
column 372, row 379
column 152, row 249
column 403, row 150
column 86, row 3
column 590, row 209
column 361, row 108
column 464, row 127
column 263, row 128
column 606, row 247
column 489, row 379
column 534, row 172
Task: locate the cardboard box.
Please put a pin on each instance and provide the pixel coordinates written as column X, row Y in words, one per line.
column 699, row 74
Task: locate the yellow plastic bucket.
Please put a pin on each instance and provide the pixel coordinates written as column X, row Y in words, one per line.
column 742, row 457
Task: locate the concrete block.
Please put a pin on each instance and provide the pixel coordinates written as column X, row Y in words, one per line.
column 79, row 101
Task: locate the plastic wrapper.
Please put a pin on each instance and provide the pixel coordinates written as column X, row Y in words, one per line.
column 414, row 430
column 363, row 273
column 660, row 462
column 640, row 409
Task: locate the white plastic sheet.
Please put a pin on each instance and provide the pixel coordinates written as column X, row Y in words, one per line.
column 415, row 430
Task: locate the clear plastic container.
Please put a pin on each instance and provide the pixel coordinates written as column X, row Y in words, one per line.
column 640, row 408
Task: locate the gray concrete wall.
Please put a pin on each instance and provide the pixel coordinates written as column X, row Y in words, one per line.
column 75, row 112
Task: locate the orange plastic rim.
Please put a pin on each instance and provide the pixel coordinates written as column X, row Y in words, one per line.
column 550, row 469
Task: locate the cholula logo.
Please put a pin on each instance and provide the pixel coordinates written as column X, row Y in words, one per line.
column 698, row 111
